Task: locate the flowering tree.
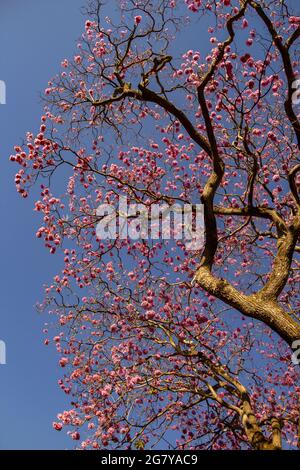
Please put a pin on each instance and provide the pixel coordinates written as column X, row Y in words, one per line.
column 166, row 346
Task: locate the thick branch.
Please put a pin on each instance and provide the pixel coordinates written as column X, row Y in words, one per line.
column 260, row 212
column 146, row 95
column 282, row 264
column 254, row 432
column 257, row 306
column 293, row 186
column 213, row 182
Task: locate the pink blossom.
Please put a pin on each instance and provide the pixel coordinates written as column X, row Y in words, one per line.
column 245, row 23
column 63, row 361
column 57, row 426
column 294, row 19
column 78, row 59
column 137, row 19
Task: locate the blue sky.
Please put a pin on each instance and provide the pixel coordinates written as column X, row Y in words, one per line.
column 35, row 35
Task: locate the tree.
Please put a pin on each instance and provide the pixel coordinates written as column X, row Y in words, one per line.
column 165, row 345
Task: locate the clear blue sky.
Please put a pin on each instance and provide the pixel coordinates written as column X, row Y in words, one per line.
column 34, row 36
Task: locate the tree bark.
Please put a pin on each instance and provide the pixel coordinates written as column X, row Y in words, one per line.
column 256, row 306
